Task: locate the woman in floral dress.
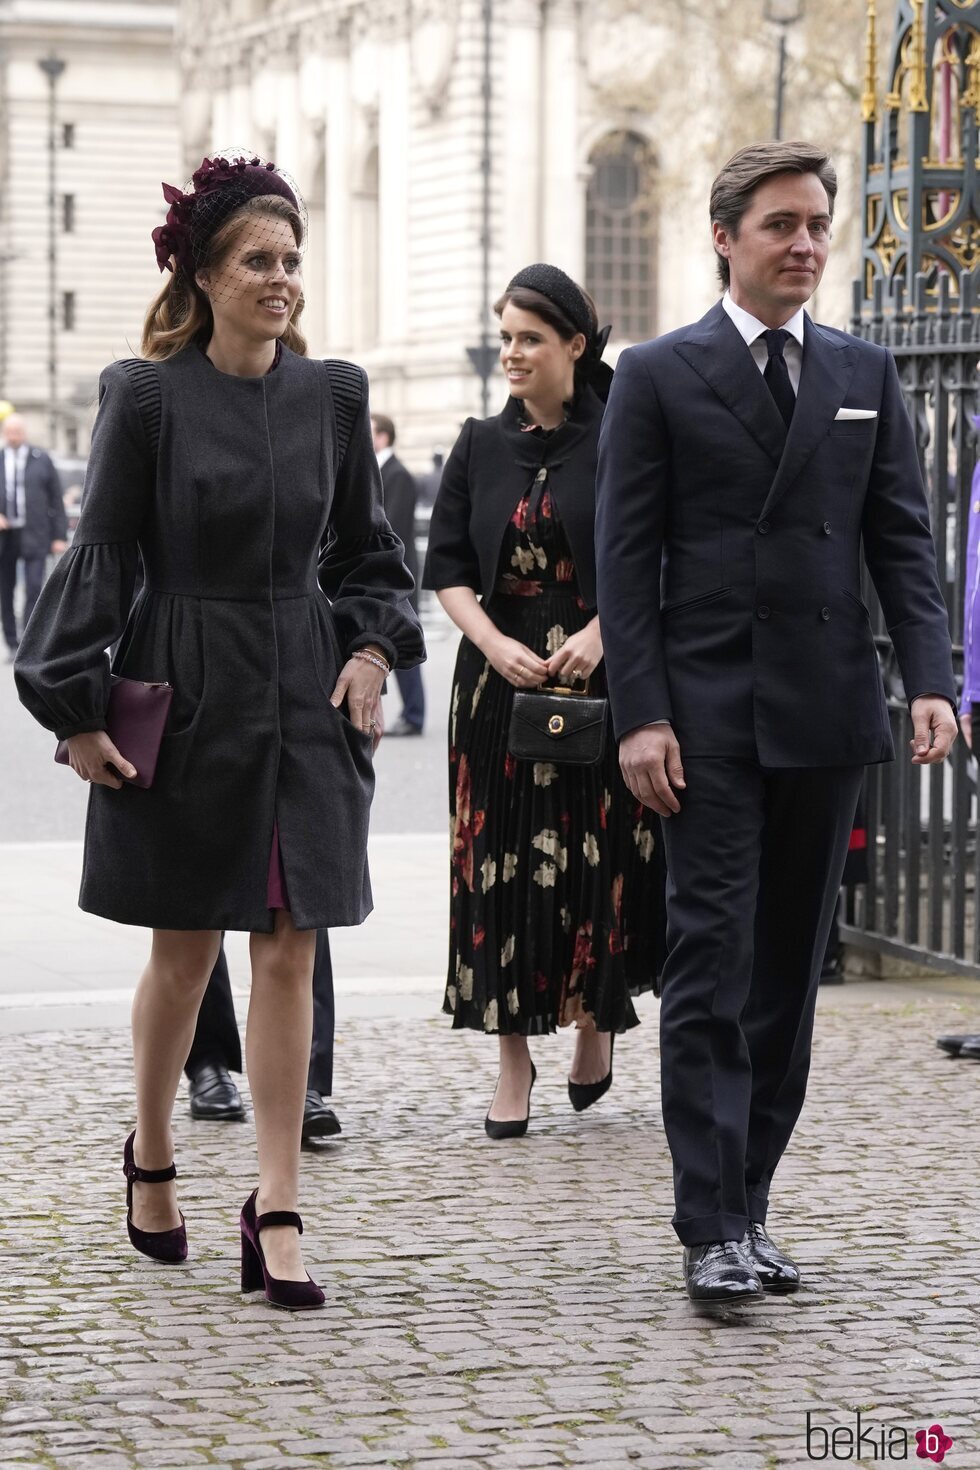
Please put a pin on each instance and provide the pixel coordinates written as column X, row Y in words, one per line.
column 557, row 910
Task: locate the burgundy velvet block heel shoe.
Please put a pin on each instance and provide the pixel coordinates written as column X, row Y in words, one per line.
column 169, row 1246
column 291, row 1296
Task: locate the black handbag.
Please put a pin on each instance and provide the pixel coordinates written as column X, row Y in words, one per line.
column 560, row 724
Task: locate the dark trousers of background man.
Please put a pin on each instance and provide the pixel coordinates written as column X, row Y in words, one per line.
column 413, row 695
column 9, row 555
column 35, row 568
column 216, row 1040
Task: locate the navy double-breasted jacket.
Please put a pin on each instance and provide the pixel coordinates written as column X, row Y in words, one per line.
column 268, row 560
column 729, row 552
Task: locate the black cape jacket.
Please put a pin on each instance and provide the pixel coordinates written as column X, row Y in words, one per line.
column 488, row 472
column 245, row 498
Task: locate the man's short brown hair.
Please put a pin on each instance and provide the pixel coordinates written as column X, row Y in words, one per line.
column 732, row 190
column 384, row 425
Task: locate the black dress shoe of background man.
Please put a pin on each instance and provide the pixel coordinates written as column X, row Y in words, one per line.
column 215, row 1096
column 404, row 727
column 774, row 1268
column 720, row 1272
column 953, row 1045
column 971, row 1048
column 319, row 1119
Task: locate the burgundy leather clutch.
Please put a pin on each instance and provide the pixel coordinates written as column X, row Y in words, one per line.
column 135, row 721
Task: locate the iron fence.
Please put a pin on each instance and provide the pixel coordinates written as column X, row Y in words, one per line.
column 920, row 902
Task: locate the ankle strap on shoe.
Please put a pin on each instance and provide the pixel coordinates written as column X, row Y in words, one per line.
column 279, row 1217
column 136, row 1175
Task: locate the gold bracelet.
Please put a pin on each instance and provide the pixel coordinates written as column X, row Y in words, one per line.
column 372, row 658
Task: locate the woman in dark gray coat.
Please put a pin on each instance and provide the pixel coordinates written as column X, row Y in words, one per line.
column 275, row 599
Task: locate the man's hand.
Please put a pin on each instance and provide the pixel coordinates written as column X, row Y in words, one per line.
column 934, row 730
column 650, row 760
column 966, row 725
column 4, row 524
column 58, row 548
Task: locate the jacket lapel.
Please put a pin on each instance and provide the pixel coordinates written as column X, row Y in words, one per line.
column 828, row 366
column 717, row 352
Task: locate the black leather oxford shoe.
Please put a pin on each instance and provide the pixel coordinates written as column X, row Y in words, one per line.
column 971, row 1048
column 774, row 1269
column 720, row 1272
column 953, row 1045
column 215, row 1096
column 319, row 1119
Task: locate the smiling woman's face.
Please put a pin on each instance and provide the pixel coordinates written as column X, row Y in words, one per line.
column 256, row 286
column 537, row 362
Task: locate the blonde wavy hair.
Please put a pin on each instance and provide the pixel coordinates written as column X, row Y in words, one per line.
column 181, row 313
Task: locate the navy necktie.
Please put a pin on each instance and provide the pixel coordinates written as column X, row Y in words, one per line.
column 777, row 374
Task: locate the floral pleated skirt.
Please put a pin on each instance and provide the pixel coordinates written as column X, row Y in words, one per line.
column 557, row 909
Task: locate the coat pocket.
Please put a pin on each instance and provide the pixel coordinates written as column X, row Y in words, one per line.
column 695, row 601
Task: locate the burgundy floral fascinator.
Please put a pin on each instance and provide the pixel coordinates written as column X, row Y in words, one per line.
column 220, row 186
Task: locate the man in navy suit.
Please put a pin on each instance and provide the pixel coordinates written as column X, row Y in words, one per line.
column 746, row 463
column 33, row 524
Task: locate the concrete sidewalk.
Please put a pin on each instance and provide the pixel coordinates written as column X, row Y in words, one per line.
column 489, row 1305
column 63, row 969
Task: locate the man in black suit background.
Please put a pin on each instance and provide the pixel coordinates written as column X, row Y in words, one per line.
column 745, row 463
column 33, row 524
column 400, row 494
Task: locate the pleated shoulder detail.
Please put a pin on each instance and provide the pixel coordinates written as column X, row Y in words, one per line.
column 145, row 383
column 347, row 389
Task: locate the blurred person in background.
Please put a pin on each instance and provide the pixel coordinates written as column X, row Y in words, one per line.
column 33, row 524
column 966, row 1044
column 557, row 884
column 400, row 494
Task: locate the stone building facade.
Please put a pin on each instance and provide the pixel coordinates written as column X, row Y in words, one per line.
column 607, row 121
column 116, row 137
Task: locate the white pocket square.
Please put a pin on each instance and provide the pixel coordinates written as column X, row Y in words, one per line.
column 855, row 413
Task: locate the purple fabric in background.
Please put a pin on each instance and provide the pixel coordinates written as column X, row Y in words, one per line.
column 971, row 608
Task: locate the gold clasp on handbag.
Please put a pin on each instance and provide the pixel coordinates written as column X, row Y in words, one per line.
column 556, row 724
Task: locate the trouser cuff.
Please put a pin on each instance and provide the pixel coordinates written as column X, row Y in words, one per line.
column 702, row 1229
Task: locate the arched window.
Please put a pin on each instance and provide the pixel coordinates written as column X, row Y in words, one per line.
column 621, row 236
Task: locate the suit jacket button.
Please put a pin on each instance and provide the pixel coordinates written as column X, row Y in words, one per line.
column 825, row 614
column 826, row 528
column 763, row 528
column 762, row 611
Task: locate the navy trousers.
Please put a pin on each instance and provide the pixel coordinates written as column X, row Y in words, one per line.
column 413, row 695
column 754, row 865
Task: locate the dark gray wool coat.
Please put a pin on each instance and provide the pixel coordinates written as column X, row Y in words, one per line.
column 245, row 499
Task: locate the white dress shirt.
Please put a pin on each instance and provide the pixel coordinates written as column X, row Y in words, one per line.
column 14, row 464
column 751, row 329
column 384, row 455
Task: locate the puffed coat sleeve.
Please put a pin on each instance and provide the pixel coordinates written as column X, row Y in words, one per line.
column 451, row 559
column 62, row 665
column 362, row 563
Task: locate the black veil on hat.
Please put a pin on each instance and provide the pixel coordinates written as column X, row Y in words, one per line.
column 220, row 186
column 558, row 288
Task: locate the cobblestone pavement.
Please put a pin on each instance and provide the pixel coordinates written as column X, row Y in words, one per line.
column 508, row 1305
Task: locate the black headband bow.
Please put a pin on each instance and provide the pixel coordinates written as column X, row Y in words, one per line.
column 558, row 288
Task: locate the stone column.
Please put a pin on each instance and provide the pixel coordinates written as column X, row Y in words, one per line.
column 562, row 237
column 518, row 109
column 337, row 192
column 394, row 137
